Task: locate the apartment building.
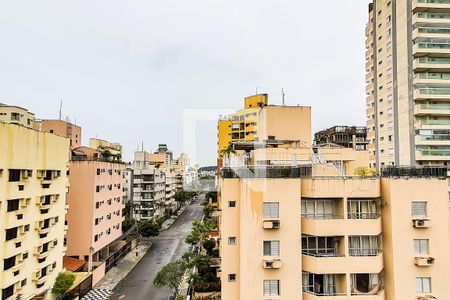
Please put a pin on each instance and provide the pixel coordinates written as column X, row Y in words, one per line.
column 296, row 224
column 259, row 121
column 33, row 186
column 64, row 129
column 96, row 201
column 148, row 186
column 344, row 136
column 408, row 82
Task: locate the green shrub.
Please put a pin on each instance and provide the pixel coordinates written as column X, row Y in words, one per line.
column 63, row 282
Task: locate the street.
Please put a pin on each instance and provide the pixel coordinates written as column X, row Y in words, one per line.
column 167, row 247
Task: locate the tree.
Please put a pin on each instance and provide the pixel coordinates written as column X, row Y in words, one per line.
column 209, row 245
column 228, row 150
column 127, row 224
column 62, row 283
column 207, row 210
column 149, row 228
column 200, row 231
column 364, row 172
column 130, row 206
column 171, row 275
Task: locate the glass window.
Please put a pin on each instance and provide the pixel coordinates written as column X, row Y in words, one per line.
column 419, row 209
column 232, row 240
column 271, row 248
column 271, row 287
column 421, row 246
column 271, row 210
column 423, row 284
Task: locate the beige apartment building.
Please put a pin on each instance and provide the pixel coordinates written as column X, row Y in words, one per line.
column 33, row 186
column 64, row 129
column 295, row 223
column 408, row 82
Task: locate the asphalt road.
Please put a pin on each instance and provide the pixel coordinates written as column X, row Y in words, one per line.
column 167, row 247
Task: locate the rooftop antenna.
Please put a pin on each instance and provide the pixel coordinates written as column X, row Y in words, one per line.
column 256, row 91
column 142, row 146
column 60, row 110
column 282, row 95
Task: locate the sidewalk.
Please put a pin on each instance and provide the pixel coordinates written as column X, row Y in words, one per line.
column 116, row 274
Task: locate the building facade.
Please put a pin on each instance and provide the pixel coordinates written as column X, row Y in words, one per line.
column 408, row 82
column 64, row 129
column 345, row 136
column 295, row 223
column 33, row 186
column 96, row 200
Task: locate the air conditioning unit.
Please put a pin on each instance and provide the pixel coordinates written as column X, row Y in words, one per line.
column 271, row 224
column 421, row 223
column 424, row 261
column 272, row 263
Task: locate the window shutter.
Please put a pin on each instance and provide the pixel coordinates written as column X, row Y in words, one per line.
column 419, row 209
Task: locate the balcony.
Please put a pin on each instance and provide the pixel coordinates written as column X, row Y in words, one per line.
column 435, row 79
column 339, row 225
column 432, row 47
column 338, row 263
column 338, row 187
column 430, row 5
column 422, row 64
column 433, row 123
column 430, row 18
column 433, row 139
column 425, row 109
column 324, row 285
column 433, row 154
column 430, row 32
column 312, row 296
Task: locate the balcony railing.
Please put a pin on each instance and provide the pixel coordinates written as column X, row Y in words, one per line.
column 321, row 216
column 363, row 252
column 434, row 60
column 434, row 91
column 414, row 171
column 435, row 137
column 440, row 76
column 434, row 1
column 363, row 216
column 424, row 45
column 322, row 253
column 435, row 122
column 434, row 15
column 433, row 30
column 329, row 294
column 267, row 172
column 440, row 106
column 435, row 152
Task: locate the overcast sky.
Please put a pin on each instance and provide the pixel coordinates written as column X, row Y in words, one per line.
column 130, row 71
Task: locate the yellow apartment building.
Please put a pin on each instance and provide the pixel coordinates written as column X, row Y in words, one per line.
column 259, row 121
column 408, row 82
column 295, row 223
column 33, row 186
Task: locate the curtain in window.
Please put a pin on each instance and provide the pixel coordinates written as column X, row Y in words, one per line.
column 329, row 284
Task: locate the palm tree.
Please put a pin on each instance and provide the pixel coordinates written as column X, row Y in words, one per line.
column 228, row 150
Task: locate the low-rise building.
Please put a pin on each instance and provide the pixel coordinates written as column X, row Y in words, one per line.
column 345, row 136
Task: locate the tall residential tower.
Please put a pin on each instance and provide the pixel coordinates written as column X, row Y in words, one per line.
column 408, row 82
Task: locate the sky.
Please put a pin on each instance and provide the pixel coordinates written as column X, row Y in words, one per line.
column 148, row 72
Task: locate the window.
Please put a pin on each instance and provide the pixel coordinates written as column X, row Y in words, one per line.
column 317, row 209
column 319, row 246
column 232, row 240
column 8, row 292
column 11, row 233
column 271, row 210
column 419, row 209
column 9, row 263
column 98, row 171
column 13, row 205
column 231, row 204
column 421, row 247
column 271, row 248
column 364, row 245
column 231, row 277
column 97, row 188
column 14, row 175
column 271, row 287
column 423, row 284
